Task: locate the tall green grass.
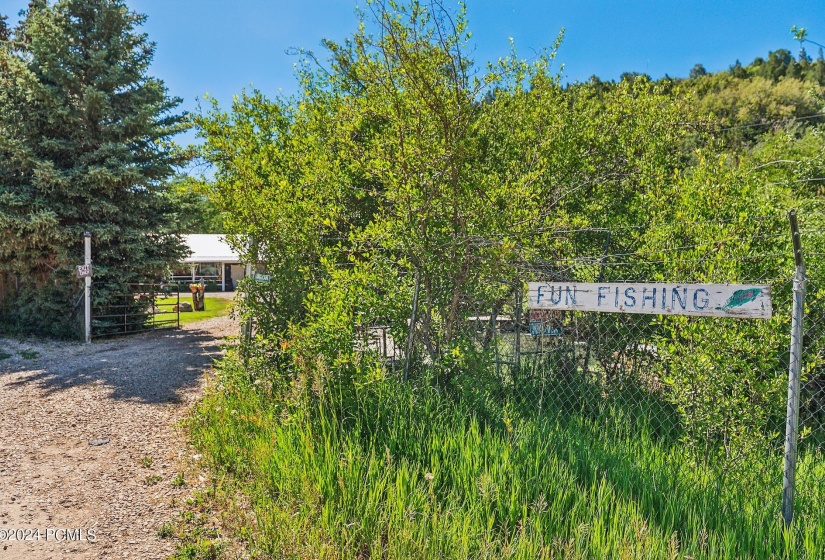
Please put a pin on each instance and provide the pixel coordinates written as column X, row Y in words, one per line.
column 383, row 469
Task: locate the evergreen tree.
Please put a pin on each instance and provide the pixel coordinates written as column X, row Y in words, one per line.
column 737, row 71
column 84, row 146
column 697, row 70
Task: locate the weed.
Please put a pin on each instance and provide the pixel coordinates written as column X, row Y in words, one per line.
column 146, row 462
column 178, row 481
column 152, row 479
column 4, row 355
column 198, row 537
column 166, row 531
column 29, row 354
column 403, row 471
column 200, row 550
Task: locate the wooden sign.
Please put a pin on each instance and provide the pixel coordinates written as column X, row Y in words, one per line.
column 703, row 300
column 84, row 270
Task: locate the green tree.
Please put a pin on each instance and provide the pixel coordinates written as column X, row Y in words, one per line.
column 85, row 144
column 697, row 70
column 272, row 184
column 194, row 212
column 402, row 159
column 743, row 108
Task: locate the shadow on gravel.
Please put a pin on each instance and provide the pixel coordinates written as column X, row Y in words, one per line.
column 157, row 367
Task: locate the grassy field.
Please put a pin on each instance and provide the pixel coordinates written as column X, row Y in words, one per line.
column 391, row 470
column 214, row 306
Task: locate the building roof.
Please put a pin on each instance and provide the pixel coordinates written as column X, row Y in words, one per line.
column 209, row 247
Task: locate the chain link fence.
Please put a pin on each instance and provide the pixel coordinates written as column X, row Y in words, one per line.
column 690, row 411
column 708, row 393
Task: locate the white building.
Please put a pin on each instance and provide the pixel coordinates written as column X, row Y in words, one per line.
column 212, row 260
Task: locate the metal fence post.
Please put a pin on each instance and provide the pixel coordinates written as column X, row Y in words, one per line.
column 496, row 341
column 518, row 330
column 87, row 260
column 795, row 364
column 246, row 326
column 412, row 329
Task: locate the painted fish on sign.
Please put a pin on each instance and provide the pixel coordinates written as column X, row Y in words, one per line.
column 705, row 300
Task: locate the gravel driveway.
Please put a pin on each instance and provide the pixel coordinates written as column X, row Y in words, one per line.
column 89, row 440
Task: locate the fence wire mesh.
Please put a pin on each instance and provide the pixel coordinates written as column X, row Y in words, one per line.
column 688, row 410
column 707, row 393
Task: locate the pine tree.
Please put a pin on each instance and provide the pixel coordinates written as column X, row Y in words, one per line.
column 85, row 145
column 697, row 70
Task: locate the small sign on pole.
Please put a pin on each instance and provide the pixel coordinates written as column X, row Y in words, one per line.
column 84, row 270
column 262, row 278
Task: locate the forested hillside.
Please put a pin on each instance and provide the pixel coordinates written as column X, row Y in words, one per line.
column 744, row 102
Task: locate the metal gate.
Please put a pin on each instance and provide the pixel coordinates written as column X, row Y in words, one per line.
column 140, row 307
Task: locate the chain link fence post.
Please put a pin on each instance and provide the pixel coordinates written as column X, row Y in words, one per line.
column 517, row 317
column 795, row 363
column 246, row 324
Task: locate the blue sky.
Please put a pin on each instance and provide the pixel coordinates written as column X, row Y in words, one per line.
column 222, row 46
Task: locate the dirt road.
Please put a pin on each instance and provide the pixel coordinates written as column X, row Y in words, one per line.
column 90, row 444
